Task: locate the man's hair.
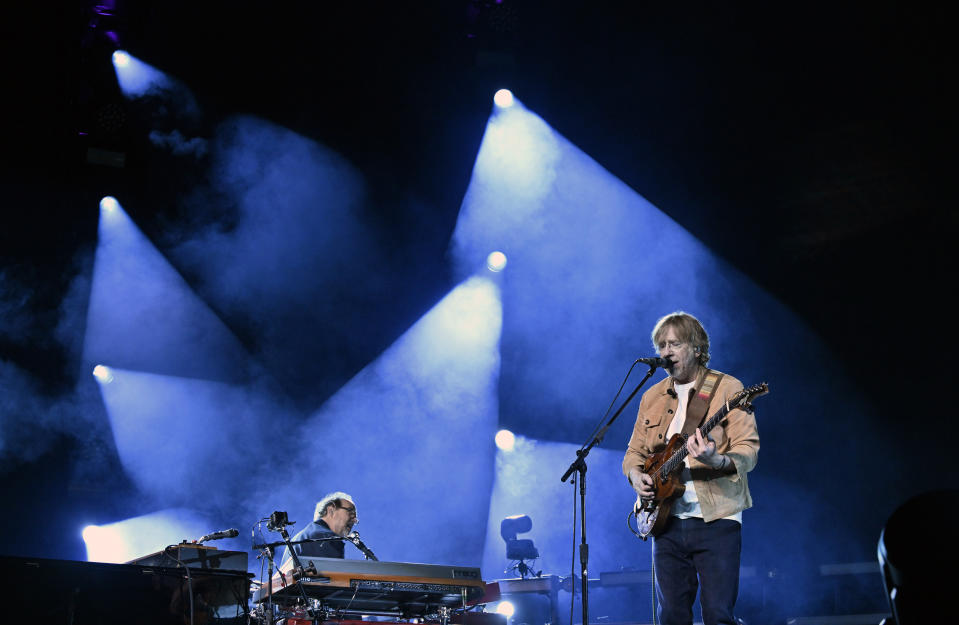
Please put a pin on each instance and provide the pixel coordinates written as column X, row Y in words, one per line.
column 688, row 330
column 329, row 501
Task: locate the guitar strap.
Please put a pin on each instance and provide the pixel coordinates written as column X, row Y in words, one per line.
column 699, row 402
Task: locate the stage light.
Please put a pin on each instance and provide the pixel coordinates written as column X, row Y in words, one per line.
column 121, row 59
column 503, row 98
column 505, row 440
column 104, row 544
column 496, row 261
column 137, row 78
column 89, row 532
column 125, row 540
column 109, row 204
column 506, row 608
column 103, row 374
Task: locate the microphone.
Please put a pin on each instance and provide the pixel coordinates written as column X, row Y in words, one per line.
column 656, row 362
column 230, row 533
column 354, row 537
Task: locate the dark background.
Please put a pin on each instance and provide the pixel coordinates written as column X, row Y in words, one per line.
column 807, row 144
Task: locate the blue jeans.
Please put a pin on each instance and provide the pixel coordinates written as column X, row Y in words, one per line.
column 688, row 548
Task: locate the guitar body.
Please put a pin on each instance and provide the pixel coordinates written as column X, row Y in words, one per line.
column 652, row 514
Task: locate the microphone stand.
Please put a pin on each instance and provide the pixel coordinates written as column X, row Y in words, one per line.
column 298, row 570
column 579, row 465
column 268, row 550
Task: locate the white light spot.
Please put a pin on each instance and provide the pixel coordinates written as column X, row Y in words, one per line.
column 505, row 440
column 496, row 261
column 503, row 98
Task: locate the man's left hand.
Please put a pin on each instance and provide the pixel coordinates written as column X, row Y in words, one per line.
column 704, row 449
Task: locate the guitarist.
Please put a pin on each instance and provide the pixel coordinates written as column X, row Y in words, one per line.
column 699, row 545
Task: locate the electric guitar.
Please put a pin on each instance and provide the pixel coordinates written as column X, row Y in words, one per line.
column 666, row 466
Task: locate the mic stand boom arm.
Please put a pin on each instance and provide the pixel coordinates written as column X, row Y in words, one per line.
column 298, row 569
column 579, row 465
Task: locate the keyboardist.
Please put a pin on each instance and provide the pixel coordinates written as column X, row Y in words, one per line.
column 335, row 515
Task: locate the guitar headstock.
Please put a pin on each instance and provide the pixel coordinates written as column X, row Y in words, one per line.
column 745, row 397
column 757, row 390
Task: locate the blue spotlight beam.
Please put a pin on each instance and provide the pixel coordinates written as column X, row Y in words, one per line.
column 143, row 315
column 526, row 483
column 413, row 431
column 122, row 541
column 594, row 263
column 185, row 440
column 137, row 78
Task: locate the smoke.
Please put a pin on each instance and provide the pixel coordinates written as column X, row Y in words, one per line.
column 35, row 413
column 410, row 437
column 179, row 145
column 26, row 423
column 144, row 316
column 194, row 442
column 72, row 311
column 290, row 257
column 295, row 254
column 14, row 310
column 592, row 266
column 528, row 482
column 157, row 96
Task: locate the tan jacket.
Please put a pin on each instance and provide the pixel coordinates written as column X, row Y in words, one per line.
column 719, row 494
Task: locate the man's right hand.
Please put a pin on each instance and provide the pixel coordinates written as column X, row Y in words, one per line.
column 642, row 483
